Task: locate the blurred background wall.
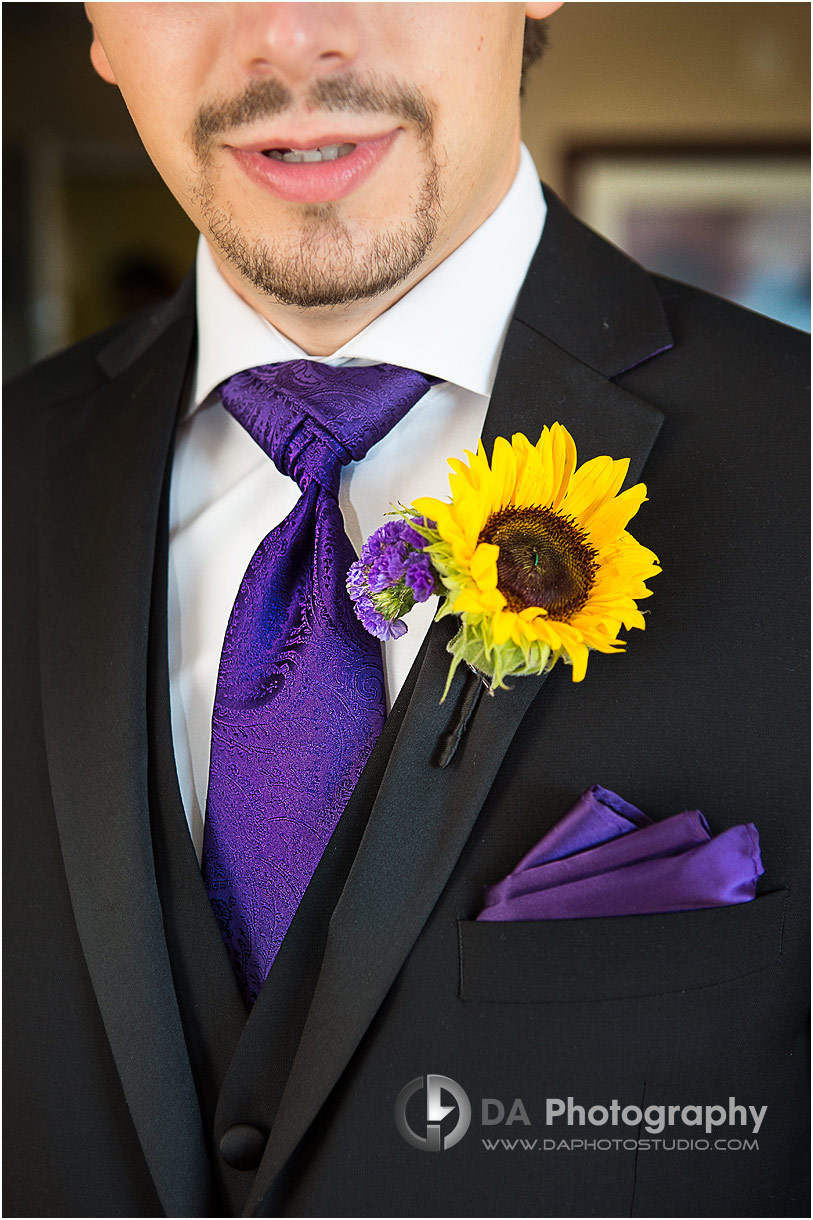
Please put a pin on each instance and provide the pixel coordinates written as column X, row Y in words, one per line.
column 680, row 130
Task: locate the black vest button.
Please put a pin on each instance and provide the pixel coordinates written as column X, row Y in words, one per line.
column 242, row 1146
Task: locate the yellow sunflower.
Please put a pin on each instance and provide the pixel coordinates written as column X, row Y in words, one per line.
column 535, row 556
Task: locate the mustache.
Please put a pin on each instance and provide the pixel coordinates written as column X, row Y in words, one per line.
column 350, row 94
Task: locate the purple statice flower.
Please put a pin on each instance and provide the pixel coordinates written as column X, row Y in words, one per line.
column 391, row 575
column 419, row 576
column 388, row 568
column 410, row 536
column 356, row 580
column 383, row 537
column 374, row 622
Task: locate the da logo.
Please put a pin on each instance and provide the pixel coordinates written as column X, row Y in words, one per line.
column 436, row 1111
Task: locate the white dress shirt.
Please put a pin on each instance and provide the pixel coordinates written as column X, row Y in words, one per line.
column 226, row 495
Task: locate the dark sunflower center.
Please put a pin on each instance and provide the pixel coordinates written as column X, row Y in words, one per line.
column 544, row 560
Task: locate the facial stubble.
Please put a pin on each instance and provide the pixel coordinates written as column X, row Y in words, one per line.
column 324, row 263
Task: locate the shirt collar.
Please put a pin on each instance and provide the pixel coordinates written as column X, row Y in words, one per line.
column 451, row 325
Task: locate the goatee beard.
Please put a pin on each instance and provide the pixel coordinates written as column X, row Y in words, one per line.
column 324, row 266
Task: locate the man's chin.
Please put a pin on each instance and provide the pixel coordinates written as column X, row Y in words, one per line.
column 325, row 269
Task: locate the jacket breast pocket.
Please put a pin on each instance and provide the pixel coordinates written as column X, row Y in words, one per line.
column 551, row 961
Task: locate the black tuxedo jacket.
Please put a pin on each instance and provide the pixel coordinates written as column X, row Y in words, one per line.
column 135, row 1086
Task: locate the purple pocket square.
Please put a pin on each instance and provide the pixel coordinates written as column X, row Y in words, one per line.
column 605, row 857
column 597, row 816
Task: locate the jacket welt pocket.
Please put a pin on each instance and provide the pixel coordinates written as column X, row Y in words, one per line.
column 555, row 960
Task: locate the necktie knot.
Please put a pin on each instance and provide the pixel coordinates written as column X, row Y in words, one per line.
column 311, row 419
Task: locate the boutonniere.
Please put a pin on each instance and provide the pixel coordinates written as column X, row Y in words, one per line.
column 531, row 554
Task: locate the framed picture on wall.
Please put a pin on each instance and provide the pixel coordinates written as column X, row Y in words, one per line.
column 734, row 220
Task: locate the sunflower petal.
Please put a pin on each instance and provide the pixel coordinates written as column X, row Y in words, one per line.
column 484, row 565
column 427, row 506
column 476, row 601
column 503, row 474
column 578, row 654
column 614, row 516
column 566, row 450
column 587, row 487
column 502, row 626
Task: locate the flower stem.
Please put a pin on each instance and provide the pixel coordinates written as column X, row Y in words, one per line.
column 466, row 706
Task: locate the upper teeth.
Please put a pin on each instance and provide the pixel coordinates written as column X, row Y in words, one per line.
column 327, row 153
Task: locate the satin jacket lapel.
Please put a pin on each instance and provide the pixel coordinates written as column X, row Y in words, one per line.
column 422, row 816
column 104, row 468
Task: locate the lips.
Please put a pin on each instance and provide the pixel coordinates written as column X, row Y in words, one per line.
column 315, row 171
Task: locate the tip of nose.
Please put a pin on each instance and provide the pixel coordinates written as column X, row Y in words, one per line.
column 298, row 40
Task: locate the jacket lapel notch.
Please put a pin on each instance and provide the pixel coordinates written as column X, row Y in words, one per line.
column 540, row 383
column 98, row 532
column 590, row 299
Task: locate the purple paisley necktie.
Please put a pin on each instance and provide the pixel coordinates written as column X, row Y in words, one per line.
column 300, row 690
